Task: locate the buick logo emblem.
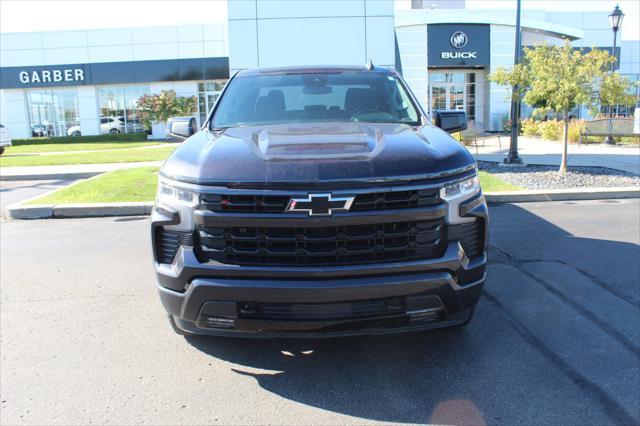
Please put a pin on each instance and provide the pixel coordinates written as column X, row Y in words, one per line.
column 319, row 204
column 458, row 40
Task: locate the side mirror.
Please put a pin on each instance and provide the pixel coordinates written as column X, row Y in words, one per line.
column 451, row 121
column 180, row 128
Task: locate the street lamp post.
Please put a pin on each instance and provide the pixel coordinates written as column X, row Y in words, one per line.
column 615, row 19
column 513, row 157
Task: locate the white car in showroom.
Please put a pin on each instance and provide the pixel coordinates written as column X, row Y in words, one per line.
column 111, row 125
column 5, row 138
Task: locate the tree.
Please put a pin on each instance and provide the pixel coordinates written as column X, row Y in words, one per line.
column 166, row 104
column 614, row 90
column 557, row 78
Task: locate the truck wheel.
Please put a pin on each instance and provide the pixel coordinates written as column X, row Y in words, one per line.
column 114, row 131
column 1, row 149
column 76, row 133
column 177, row 329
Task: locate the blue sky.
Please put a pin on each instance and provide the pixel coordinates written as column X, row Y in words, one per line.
column 53, row 15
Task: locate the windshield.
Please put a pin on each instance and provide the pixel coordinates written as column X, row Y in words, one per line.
column 303, row 97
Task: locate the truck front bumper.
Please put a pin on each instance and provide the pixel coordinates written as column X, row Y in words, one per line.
column 417, row 296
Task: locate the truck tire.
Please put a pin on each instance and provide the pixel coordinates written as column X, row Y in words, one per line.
column 1, row 149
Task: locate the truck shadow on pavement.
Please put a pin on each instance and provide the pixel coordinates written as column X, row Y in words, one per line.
column 499, row 369
column 403, row 378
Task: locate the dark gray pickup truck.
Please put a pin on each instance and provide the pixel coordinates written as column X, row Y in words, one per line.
column 319, row 202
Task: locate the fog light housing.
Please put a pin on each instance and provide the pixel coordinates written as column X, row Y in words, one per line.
column 425, row 315
column 211, row 321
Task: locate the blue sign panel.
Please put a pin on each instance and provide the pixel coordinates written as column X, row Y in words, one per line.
column 114, row 72
column 458, row 45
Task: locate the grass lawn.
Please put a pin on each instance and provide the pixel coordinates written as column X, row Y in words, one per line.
column 63, row 147
column 491, row 183
column 98, row 157
column 137, row 184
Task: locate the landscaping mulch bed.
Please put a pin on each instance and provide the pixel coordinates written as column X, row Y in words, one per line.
column 547, row 177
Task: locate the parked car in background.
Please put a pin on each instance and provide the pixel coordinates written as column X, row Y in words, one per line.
column 112, row 125
column 38, row 130
column 5, row 138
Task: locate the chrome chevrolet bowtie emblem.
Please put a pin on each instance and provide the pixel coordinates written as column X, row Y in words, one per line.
column 320, row 204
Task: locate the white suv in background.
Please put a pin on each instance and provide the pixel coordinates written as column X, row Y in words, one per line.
column 111, row 125
column 5, row 138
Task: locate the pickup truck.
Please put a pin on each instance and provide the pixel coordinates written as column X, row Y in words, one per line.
column 319, row 201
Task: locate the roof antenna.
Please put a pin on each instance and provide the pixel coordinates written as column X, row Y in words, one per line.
column 370, row 65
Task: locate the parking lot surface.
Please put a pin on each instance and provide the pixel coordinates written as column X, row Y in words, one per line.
column 13, row 191
column 555, row 340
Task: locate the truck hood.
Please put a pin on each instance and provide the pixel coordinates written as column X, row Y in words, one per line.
column 316, row 154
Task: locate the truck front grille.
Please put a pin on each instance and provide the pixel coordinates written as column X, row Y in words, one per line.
column 332, row 245
column 363, row 202
column 326, row 311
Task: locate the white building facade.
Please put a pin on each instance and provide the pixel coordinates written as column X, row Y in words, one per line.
column 88, row 82
column 442, row 80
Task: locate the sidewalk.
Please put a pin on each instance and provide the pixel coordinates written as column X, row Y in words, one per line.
column 72, row 171
column 538, row 151
column 32, row 154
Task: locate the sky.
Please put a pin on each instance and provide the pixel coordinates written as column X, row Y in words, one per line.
column 56, row 15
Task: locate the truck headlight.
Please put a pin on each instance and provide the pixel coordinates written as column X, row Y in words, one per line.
column 455, row 194
column 171, row 195
column 460, row 189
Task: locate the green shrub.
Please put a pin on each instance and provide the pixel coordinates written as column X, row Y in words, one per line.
column 530, row 127
column 632, row 140
column 574, row 130
column 551, row 130
column 118, row 137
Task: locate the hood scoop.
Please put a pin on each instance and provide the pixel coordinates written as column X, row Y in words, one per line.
column 350, row 141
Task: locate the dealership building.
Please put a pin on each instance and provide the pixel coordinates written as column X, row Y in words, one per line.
column 88, row 82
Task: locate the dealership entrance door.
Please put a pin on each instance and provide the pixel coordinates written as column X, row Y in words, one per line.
column 455, row 89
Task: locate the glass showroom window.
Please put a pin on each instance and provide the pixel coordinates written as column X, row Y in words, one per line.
column 133, row 123
column 53, row 112
column 208, row 92
column 119, row 111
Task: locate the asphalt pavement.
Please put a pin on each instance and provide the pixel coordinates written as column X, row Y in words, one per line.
column 13, row 191
column 555, row 340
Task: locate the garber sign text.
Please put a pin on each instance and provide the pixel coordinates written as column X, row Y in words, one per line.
column 51, row 76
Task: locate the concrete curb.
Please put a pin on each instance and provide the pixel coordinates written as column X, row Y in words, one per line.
column 60, row 211
column 23, row 210
column 531, row 195
column 48, row 211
